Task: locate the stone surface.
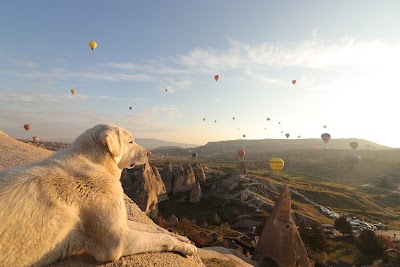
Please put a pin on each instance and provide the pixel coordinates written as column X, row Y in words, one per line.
column 199, row 172
column 168, row 177
column 196, row 193
column 280, row 239
column 144, row 188
column 184, row 179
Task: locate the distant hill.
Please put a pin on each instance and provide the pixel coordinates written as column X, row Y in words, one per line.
column 276, row 145
column 155, row 143
column 148, row 143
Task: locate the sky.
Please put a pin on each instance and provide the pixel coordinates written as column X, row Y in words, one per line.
column 344, row 56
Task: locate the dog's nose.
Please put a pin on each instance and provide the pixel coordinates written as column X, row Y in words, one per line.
column 148, row 154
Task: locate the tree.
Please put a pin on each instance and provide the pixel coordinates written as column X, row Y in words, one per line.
column 312, row 235
column 369, row 243
column 343, row 226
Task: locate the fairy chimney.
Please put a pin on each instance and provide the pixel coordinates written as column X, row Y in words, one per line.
column 145, row 188
column 167, row 177
column 199, row 172
column 280, row 239
column 184, row 179
column 196, row 194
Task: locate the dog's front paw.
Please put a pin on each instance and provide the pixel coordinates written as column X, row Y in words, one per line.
column 187, row 249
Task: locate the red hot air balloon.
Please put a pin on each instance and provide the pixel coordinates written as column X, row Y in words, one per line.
column 27, row 127
column 216, row 77
column 294, row 82
column 241, row 153
column 325, row 137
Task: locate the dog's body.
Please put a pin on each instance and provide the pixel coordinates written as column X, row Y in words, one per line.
column 72, row 202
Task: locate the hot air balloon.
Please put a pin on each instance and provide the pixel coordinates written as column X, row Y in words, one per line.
column 287, row 135
column 294, row 82
column 194, row 155
column 325, row 137
column 281, row 131
column 216, row 77
column 27, row 127
column 324, row 126
column 244, row 136
column 73, row 91
column 204, row 119
column 268, row 119
column 353, row 145
column 299, row 136
column 130, row 108
column 279, row 122
column 92, row 45
column 215, row 121
column 276, row 164
column 166, row 89
column 233, row 118
column 241, row 153
column 35, row 139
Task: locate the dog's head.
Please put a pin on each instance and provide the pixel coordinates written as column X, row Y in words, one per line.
column 119, row 143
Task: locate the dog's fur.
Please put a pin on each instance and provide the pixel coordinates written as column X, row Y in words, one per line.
column 72, row 202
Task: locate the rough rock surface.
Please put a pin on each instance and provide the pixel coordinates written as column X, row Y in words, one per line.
column 168, row 177
column 199, row 172
column 196, row 194
column 184, row 179
column 280, row 239
column 146, row 185
column 13, row 153
column 229, row 256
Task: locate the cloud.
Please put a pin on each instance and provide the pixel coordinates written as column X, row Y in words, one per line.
column 25, row 63
column 313, row 53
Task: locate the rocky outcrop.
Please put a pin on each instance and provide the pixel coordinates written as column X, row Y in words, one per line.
column 199, row 172
column 144, row 186
column 196, row 193
column 184, row 179
column 280, row 240
column 168, row 177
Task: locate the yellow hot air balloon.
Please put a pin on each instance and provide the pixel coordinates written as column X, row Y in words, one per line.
column 276, row 164
column 73, row 91
column 92, row 45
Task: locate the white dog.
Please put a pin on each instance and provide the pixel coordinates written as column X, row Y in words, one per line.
column 72, row 202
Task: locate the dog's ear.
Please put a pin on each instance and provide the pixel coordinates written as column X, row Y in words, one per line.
column 111, row 140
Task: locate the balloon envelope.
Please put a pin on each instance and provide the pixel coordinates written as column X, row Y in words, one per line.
column 325, row 137
column 27, row 127
column 73, row 91
column 353, row 145
column 35, row 139
column 287, row 135
column 130, row 108
column 216, row 77
column 92, row 45
column 244, row 136
column 241, row 153
column 276, row 164
column 294, row 81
